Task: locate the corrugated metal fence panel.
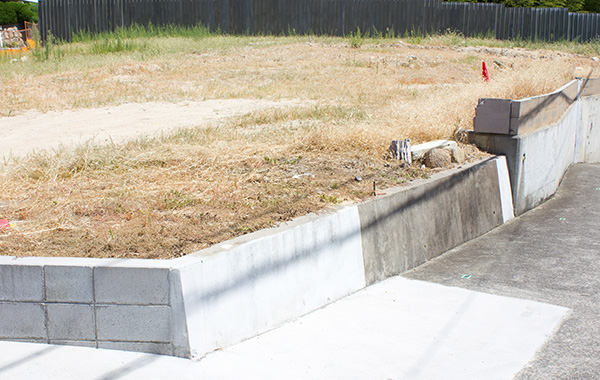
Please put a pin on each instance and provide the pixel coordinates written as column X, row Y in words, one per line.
column 64, row 18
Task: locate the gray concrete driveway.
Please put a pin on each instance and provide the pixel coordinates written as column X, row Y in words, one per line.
column 550, row 254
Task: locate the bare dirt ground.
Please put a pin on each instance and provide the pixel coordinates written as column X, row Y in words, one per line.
column 293, row 127
column 35, row 130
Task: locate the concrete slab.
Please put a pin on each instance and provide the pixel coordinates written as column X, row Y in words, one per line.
column 550, row 254
column 249, row 285
column 408, row 226
column 397, row 329
column 39, row 361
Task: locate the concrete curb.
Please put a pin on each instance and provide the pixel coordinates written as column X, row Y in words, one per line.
column 541, row 140
column 190, row 306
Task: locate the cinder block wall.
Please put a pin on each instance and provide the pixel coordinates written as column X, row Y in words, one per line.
column 87, row 302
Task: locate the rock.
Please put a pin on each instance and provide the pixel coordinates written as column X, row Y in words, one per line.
column 595, row 59
column 418, row 151
column 457, row 155
column 438, row 158
column 357, row 178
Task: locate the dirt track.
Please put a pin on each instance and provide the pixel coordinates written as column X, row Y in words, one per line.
column 35, row 131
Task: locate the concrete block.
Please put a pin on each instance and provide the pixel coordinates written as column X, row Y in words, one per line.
column 21, row 283
column 70, row 322
column 418, row 151
column 134, row 323
column 137, row 286
column 69, row 284
column 151, row 348
column 493, row 116
column 22, row 320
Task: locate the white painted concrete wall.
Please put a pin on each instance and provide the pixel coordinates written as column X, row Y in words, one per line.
column 237, row 290
column 506, row 199
column 545, row 156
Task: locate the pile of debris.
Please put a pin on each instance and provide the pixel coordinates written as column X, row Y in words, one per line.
column 433, row 154
column 11, row 38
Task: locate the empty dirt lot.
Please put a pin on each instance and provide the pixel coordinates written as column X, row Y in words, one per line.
column 180, row 143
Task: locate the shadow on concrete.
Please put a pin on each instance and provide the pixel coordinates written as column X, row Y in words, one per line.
column 128, row 368
column 44, row 350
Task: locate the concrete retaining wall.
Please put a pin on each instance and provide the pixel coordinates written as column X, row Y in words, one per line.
column 557, row 130
column 237, row 289
column 410, row 226
column 246, row 286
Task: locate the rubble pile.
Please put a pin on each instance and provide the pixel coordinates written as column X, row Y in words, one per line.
column 10, row 37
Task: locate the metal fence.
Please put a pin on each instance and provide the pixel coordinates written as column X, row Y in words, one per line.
column 63, row 18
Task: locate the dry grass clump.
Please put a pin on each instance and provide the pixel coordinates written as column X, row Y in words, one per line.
column 169, row 196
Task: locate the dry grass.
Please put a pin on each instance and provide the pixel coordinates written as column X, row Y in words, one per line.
column 173, row 195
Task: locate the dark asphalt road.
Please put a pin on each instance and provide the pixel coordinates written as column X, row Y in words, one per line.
column 550, row 254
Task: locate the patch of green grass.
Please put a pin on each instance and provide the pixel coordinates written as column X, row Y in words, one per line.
column 330, row 199
column 175, row 199
column 116, row 45
column 139, row 31
column 356, row 39
column 451, row 38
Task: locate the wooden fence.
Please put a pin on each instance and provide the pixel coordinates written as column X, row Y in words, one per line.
column 62, row 18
